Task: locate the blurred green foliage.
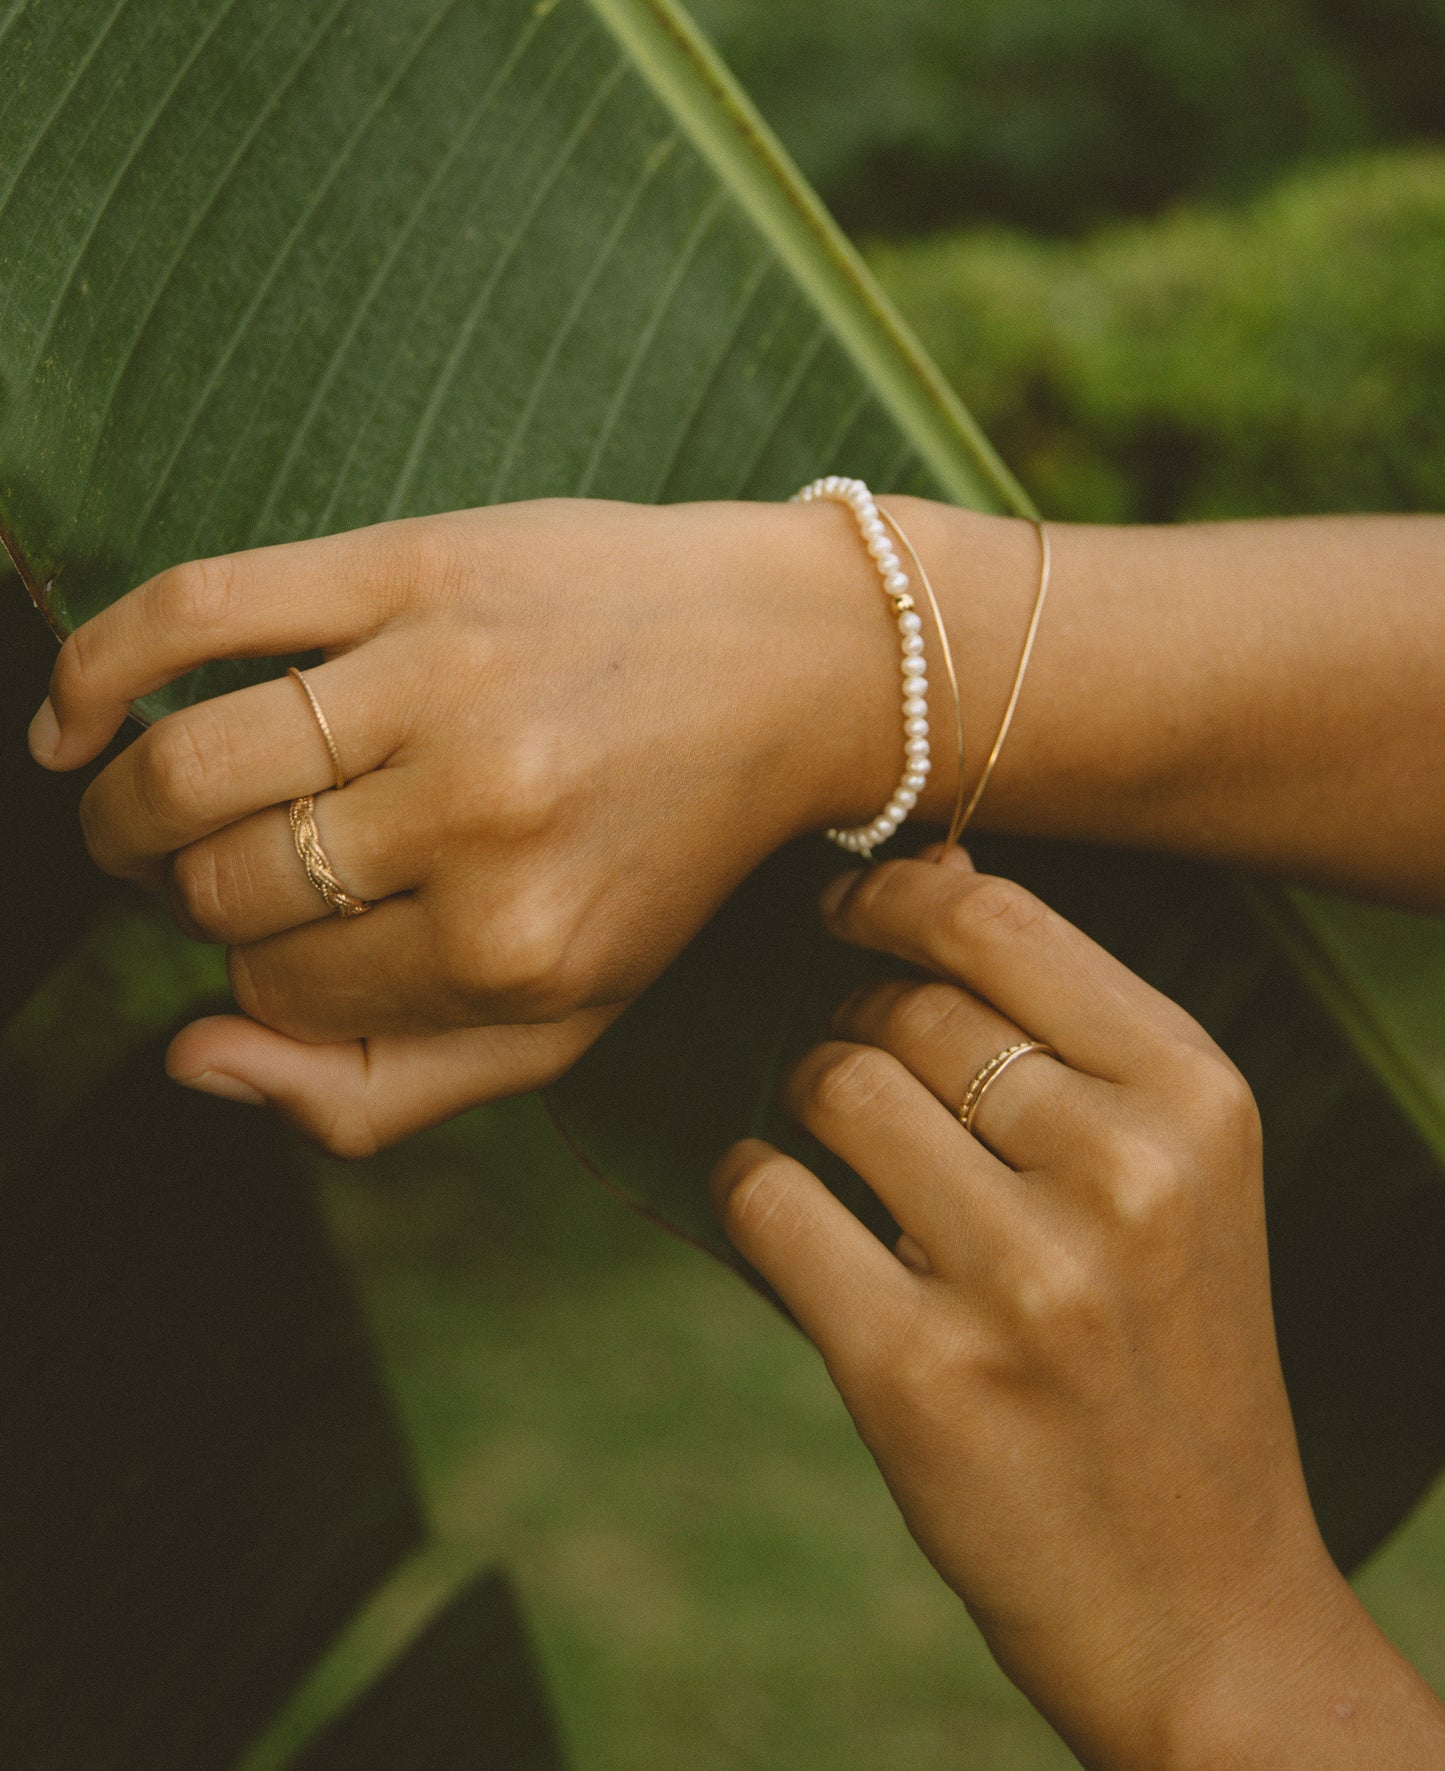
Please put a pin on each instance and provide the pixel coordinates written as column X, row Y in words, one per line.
column 1056, row 114
column 1284, row 357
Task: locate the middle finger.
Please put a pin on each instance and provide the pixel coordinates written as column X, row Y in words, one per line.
column 1036, row 1110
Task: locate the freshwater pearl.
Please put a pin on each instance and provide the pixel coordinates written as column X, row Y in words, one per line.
column 877, row 539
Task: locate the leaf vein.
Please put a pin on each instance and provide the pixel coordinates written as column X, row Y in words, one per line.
column 339, row 162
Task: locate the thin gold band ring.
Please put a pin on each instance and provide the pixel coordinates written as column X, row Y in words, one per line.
column 991, row 1072
column 323, row 726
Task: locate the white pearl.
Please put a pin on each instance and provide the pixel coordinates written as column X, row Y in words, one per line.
column 916, row 685
column 913, row 645
column 914, row 707
column 883, row 829
column 832, row 484
column 906, row 797
column 919, row 765
column 888, row 564
column 913, row 782
column 896, row 584
column 913, row 665
column 873, row 532
column 910, row 621
column 916, row 728
column 918, row 747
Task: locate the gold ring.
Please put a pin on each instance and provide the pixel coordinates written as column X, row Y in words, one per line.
column 991, row 1072
column 313, row 859
column 323, row 724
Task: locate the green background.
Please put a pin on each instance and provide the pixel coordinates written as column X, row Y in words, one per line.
column 1181, row 260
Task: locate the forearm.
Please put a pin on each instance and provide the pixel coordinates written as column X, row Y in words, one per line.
column 1269, row 694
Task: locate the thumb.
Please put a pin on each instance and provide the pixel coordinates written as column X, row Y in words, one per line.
column 357, row 1097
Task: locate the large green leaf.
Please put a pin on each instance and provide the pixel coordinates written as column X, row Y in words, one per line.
column 266, row 272
column 202, row 1478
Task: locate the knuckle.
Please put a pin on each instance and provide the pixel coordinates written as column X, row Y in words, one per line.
column 527, row 789
column 1059, row 1298
column 848, row 1083
column 761, row 1204
column 928, row 1368
column 248, row 986
column 204, row 879
column 519, row 955
column 173, row 769
column 1146, row 1178
column 74, row 673
column 345, row 1132
column 990, row 908
column 199, row 596
column 259, row 986
column 1208, row 1092
column 921, row 1015
column 95, row 829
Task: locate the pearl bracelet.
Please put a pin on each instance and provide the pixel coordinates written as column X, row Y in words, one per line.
column 916, row 761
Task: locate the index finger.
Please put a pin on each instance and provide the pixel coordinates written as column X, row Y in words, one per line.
column 325, row 593
column 1006, row 946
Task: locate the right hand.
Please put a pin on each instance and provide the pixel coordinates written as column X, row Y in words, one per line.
column 571, row 729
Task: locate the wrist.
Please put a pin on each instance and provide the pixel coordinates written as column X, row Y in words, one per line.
column 984, row 572
column 852, row 725
column 1301, row 1677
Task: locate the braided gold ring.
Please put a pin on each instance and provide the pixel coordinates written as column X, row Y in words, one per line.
column 313, row 858
column 991, row 1072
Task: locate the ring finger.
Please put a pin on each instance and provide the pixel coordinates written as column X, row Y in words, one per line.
column 248, row 882
column 1027, row 1114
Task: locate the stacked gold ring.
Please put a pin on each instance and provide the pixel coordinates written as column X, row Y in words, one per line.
column 991, row 1072
column 303, row 823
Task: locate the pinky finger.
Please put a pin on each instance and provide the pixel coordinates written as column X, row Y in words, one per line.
column 360, row 1096
column 841, row 1284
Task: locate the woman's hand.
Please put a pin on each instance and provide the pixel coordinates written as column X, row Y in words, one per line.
column 571, row 729
column 1067, row 1370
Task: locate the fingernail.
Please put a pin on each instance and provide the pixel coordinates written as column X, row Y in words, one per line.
column 44, row 733
column 833, row 897
column 229, row 1088
column 957, row 858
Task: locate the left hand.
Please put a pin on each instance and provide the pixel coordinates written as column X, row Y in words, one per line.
column 1067, row 1370
column 570, row 727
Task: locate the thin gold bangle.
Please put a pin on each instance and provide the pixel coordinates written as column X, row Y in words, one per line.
column 1045, row 574
column 956, row 824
